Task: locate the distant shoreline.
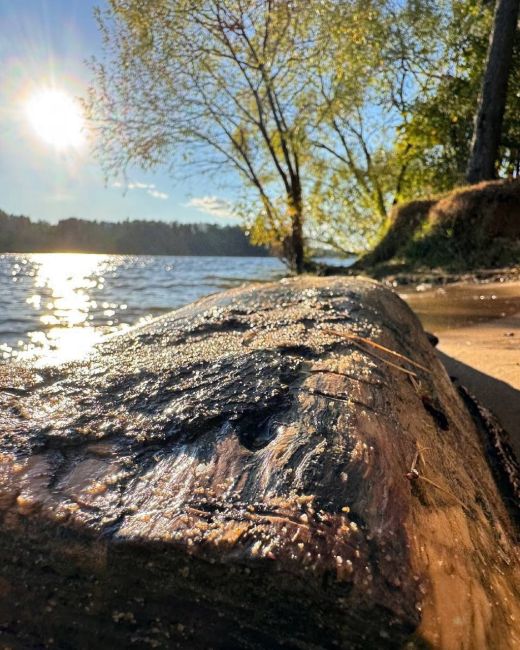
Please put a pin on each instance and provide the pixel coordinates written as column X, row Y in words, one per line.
column 76, row 252
column 19, row 234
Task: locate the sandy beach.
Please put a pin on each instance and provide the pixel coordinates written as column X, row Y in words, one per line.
column 478, row 326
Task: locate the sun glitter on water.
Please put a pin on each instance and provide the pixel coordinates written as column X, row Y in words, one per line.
column 63, row 283
column 56, row 117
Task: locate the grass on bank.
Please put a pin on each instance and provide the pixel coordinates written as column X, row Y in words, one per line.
column 472, row 227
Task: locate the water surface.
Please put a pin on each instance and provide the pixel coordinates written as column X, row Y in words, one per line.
column 55, row 307
column 460, row 305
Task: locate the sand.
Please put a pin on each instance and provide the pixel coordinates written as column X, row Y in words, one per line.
column 478, row 327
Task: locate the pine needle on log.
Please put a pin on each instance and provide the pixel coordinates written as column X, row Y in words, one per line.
column 361, row 339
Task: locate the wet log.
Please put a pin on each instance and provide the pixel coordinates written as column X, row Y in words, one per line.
column 251, row 471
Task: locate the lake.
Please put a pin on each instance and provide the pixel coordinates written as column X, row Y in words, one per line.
column 55, row 307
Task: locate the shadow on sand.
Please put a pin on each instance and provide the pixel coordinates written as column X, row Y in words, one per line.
column 499, row 396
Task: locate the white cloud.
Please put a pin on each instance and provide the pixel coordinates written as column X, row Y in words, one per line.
column 212, row 205
column 141, row 186
column 137, row 185
column 157, row 195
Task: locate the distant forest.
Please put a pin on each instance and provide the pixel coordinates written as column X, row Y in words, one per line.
column 19, row 234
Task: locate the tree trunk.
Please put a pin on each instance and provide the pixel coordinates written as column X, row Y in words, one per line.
column 246, row 473
column 297, row 243
column 492, row 101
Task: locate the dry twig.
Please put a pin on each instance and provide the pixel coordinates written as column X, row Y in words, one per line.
column 414, row 475
column 378, row 346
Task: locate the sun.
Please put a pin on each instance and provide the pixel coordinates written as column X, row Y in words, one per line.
column 56, row 118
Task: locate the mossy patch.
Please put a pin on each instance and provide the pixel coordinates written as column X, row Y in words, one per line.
column 471, row 227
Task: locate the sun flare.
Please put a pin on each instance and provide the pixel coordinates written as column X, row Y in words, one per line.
column 56, row 118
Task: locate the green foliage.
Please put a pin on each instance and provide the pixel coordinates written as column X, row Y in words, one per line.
column 438, row 125
column 327, row 112
column 202, row 85
column 510, row 151
column 441, row 249
column 295, row 97
column 438, row 128
column 374, row 53
column 469, row 227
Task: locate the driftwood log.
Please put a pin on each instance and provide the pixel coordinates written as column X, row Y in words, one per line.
column 250, row 472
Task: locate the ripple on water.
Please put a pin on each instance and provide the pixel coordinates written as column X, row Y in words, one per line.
column 55, row 306
column 460, row 305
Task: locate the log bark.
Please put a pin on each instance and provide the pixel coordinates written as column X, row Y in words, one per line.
column 493, row 95
column 244, row 473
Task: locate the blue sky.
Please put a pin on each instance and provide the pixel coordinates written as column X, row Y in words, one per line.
column 44, row 43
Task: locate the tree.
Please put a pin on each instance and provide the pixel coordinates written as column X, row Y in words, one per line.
column 328, row 113
column 298, row 98
column 209, row 84
column 492, row 101
column 370, row 73
column 437, row 130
